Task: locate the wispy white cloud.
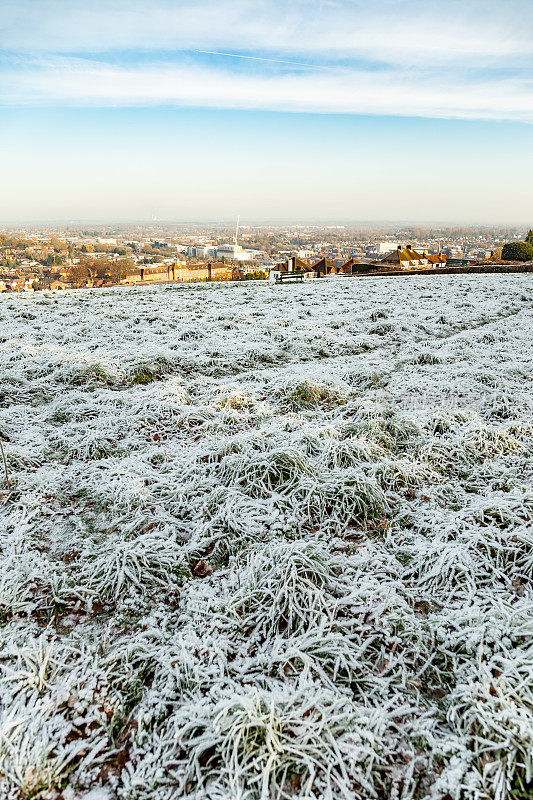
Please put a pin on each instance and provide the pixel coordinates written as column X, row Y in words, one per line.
column 456, row 58
column 386, row 91
column 390, row 31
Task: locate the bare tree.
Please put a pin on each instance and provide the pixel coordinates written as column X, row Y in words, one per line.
column 82, row 271
column 118, row 269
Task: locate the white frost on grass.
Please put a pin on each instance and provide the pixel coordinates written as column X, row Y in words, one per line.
column 268, row 542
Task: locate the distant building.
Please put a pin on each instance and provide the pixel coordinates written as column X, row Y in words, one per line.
column 200, row 251
column 384, row 247
column 454, row 252
column 233, row 252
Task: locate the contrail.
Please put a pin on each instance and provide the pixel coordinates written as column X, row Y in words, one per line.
column 259, row 58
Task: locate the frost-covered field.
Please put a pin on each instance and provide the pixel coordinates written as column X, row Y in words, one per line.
column 264, row 542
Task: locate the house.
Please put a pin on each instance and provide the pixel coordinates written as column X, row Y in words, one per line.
column 349, row 266
column 185, row 273
column 293, row 264
column 401, row 258
column 324, row 267
column 355, row 267
column 436, row 260
column 154, row 273
column 321, row 268
column 212, row 271
column 219, row 271
column 49, row 283
column 404, row 258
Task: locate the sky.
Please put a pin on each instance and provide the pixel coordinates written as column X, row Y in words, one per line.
column 383, row 110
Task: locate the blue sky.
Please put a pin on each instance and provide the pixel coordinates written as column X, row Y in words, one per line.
column 403, row 110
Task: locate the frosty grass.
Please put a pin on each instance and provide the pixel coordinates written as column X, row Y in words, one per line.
column 268, row 542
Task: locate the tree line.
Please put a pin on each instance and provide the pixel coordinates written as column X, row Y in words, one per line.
column 90, row 269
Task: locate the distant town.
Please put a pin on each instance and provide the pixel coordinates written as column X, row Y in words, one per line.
column 59, row 257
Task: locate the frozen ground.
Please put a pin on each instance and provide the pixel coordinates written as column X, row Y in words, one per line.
column 264, row 542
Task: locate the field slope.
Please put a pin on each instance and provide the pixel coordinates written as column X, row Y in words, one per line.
column 268, row 542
